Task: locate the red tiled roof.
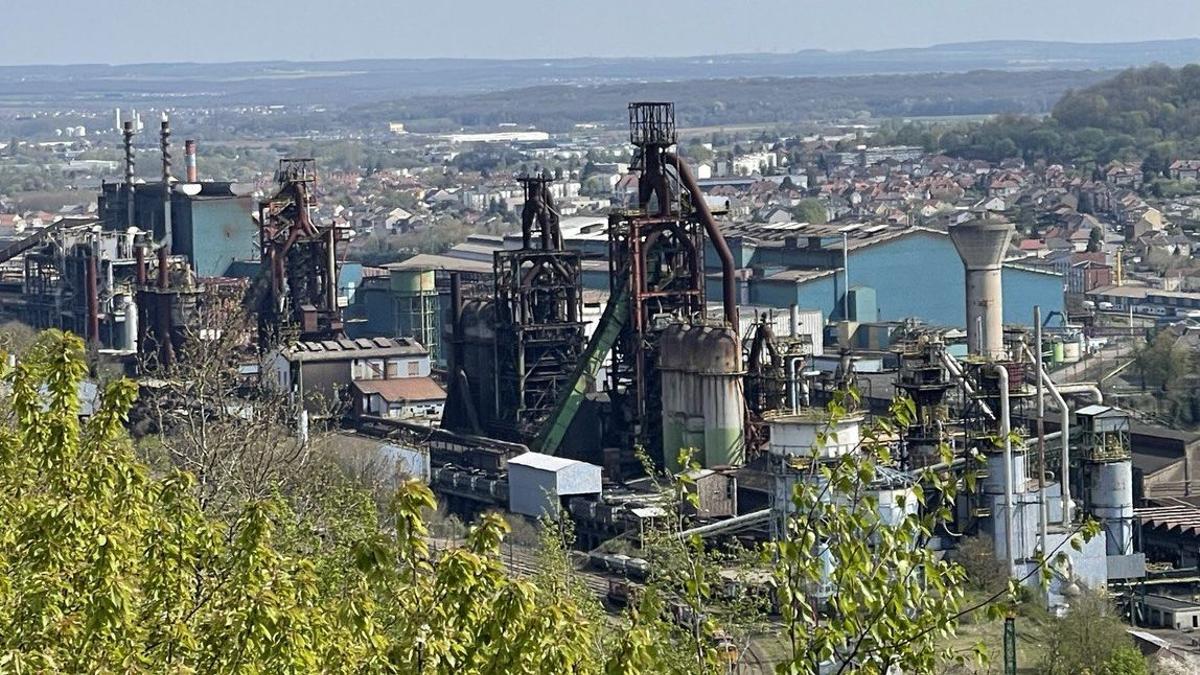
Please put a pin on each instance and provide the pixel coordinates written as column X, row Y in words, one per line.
column 402, row 389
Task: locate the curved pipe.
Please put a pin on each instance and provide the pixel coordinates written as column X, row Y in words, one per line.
column 1064, row 414
column 1010, row 547
column 1082, row 388
column 956, row 370
column 728, row 268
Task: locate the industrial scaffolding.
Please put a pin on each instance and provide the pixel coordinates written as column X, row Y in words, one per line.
column 539, row 334
column 299, row 259
column 658, row 258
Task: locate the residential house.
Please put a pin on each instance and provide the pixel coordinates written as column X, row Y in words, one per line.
column 1185, row 169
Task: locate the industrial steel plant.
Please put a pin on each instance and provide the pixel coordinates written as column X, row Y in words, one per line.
column 552, row 379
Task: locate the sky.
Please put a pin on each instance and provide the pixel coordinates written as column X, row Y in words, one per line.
column 140, row 31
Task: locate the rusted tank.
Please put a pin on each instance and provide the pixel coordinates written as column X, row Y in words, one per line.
column 702, row 394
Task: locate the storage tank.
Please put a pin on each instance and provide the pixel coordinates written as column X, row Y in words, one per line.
column 129, row 329
column 703, row 401
column 1112, row 504
column 1059, row 352
column 1071, row 352
column 982, row 244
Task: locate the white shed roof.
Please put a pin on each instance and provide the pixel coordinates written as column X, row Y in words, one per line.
column 537, row 460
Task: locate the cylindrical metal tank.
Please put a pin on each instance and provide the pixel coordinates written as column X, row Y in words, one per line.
column 796, row 434
column 1059, row 352
column 993, row 484
column 1071, row 352
column 413, row 281
column 129, row 333
column 982, row 244
column 1112, row 504
column 702, row 396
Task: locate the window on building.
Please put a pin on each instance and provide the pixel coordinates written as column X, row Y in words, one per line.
column 374, row 369
column 414, row 369
column 393, row 368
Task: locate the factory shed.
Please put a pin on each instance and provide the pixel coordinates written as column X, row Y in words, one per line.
column 912, row 271
column 1164, row 611
column 538, row 483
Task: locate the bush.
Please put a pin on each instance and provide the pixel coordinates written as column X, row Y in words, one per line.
column 1091, row 639
column 985, row 573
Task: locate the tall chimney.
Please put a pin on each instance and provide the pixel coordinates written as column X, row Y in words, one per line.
column 165, row 143
column 127, row 131
column 982, row 244
column 189, row 160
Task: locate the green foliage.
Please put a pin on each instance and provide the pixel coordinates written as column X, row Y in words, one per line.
column 105, row 568
column 809, row 211
column 1150, row 114
column 891, row 601
column 1126, row 660
column 1091, row 639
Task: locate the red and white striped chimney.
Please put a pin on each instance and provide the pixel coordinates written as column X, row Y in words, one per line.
column 189, row 160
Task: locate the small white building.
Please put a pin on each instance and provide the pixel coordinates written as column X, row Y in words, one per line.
column 537, row 483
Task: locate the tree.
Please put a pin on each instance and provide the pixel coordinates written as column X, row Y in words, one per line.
column 104, row 567
column 810, row 211
column 1091, row 639
column 1163, row 361
column 1095, row 240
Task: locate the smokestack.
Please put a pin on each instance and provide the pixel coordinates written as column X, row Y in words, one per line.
column 189, row 160
column 165, row 143
column 127, row 131
column 166, row 350
column 982, row 244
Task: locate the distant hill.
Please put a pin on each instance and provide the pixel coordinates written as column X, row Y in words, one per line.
column 363, row 81
column 1149, row 115
column 741, row 100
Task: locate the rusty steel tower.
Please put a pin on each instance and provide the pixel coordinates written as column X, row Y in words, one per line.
column 539, row 332
column 299, row 259
column 656, row 267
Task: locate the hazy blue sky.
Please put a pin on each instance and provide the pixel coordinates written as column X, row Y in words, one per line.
column 124, row 31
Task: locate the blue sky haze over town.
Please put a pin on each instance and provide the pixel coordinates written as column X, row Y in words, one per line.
column 126, row 31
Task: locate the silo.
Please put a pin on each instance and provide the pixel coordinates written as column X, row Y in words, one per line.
column 1112, row 504
column 702, row 396
column 416, row 310
column 129, row 333
column 982, row 244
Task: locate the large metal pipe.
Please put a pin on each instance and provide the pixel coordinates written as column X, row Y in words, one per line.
column 163, row 311
column 331, row 277
column 139, row 253
column 951, row 364
column 982, row 244
column 1010, row 546
column 93, row 299
column 1097, row 396
column 189, row 161
column 164, row 270
column 1043, row 512
column 728, row 267
column 1065, row 429
column 744, row 520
